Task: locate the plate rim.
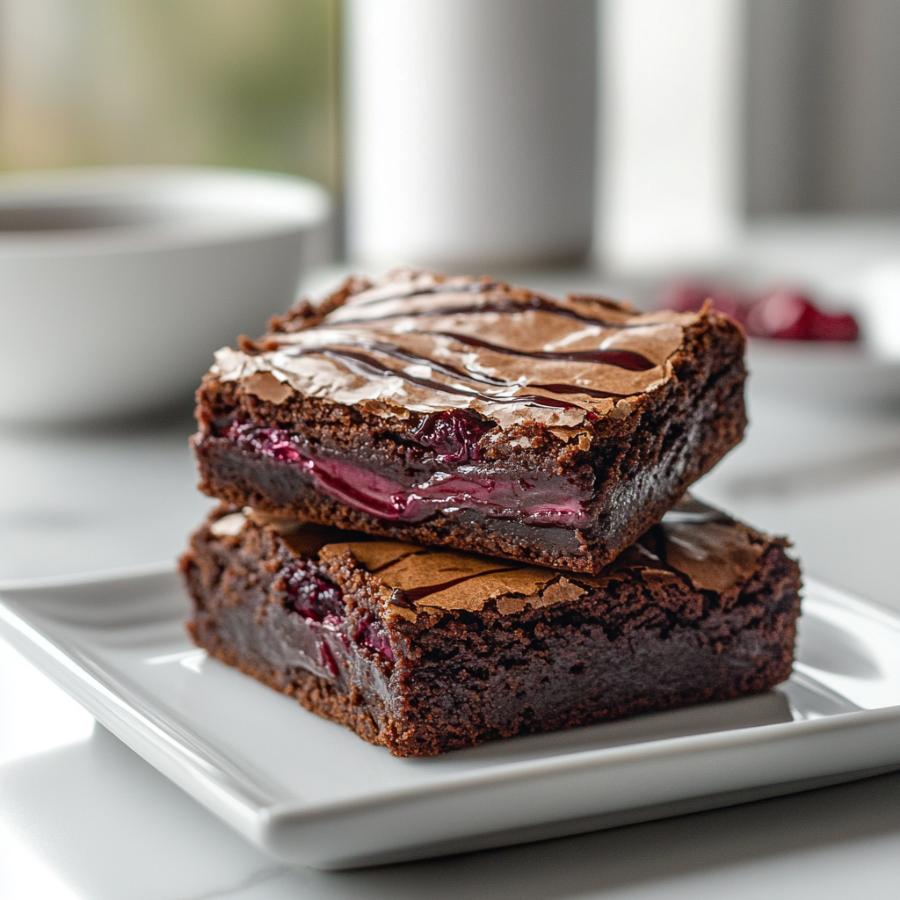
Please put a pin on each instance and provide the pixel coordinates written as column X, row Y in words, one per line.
column 260, row 815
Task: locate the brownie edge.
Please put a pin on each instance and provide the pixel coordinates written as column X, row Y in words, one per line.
column 472, row 414
column 424, row 651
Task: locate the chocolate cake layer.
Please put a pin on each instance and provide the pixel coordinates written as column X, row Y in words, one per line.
column 423, row 650
column 467, row 413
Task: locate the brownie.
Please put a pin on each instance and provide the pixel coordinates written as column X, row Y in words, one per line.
column 425, row 650
column 466, row 413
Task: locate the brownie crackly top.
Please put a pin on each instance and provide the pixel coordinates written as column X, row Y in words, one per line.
column 694, row 543
column 427, row 343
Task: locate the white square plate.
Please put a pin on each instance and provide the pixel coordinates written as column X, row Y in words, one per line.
column 308, row 791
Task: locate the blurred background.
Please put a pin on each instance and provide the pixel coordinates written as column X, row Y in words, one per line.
column 709, row 119
column 748, row 151
column 97, row 82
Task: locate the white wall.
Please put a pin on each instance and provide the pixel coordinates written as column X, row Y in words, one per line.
column 670, row 126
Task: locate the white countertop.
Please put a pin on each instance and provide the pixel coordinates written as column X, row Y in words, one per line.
column 82, row 816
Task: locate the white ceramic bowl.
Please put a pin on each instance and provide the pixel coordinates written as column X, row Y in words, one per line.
column 116, row 285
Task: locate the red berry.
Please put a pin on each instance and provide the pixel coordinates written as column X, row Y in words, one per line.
column 783, row 315
column 838, row 327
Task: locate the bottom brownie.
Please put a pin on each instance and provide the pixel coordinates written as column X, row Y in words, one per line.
column 424, row 651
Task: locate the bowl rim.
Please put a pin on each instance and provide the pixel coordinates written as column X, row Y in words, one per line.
column 258, row 204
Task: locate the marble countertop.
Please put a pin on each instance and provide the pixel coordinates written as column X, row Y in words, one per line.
column 82, row 816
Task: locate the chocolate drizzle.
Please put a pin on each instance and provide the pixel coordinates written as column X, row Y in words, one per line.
column 427, row 343
column 415, row 595
column 624, row 359
column 362, row 362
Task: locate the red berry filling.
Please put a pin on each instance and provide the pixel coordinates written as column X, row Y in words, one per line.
column 313, row 596
column 371, row 633
column 319, row 600
column 539, row 501
column 453, row 435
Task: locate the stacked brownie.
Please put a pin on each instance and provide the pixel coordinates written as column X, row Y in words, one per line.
column 454, row 510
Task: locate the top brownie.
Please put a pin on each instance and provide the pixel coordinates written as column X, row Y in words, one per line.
column 469, row 413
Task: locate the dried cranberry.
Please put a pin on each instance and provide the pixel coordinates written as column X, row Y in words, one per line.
column 782, row 314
